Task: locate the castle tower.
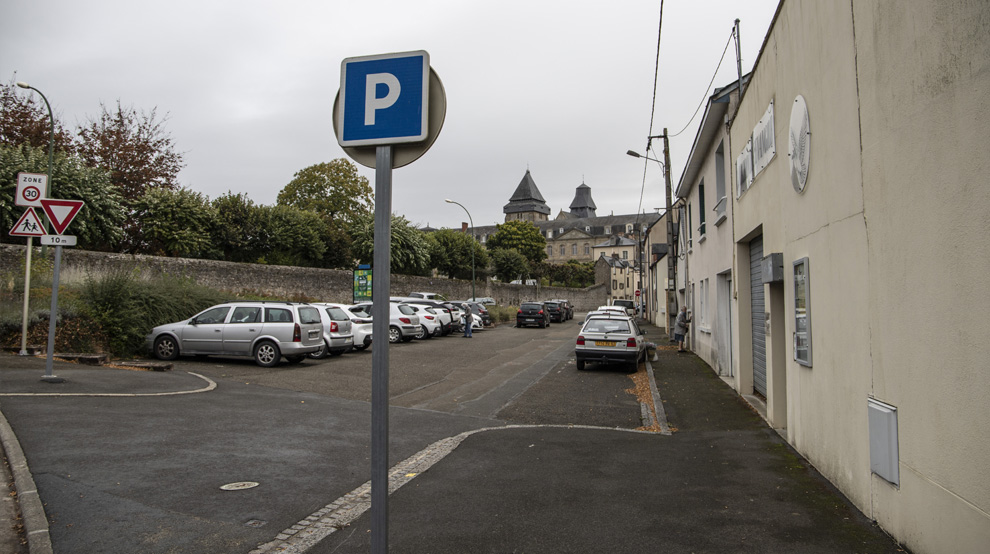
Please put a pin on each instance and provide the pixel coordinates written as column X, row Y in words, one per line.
column 583, row 205
column 527, row 203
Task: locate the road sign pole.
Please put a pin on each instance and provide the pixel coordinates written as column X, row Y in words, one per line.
column 27, row 298
column 49, row 375
column 380, row 291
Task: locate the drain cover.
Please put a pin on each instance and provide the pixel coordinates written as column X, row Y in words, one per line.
column 255, row 523
column 239, row 486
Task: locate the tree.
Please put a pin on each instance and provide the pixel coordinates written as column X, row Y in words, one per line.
column 291, row 236
column 508, row 264
column 174, row 222
column 410, row 252
column 23, row 120
column 134, row 147
column 237, row 227
column 98, row 225
column 451, row 254
column 522, row 236
column 334, row 190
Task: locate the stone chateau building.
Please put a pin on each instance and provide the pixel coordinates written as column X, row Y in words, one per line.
column 578, row 234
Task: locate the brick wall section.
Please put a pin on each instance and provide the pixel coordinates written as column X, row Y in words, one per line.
column 328, row 285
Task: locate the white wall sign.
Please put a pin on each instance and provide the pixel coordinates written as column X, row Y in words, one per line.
column 764, row 145
column 744, row 169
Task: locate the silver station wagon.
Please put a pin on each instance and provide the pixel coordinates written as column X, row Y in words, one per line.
column 264, row 330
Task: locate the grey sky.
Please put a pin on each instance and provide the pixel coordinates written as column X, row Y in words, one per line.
column 560, row 88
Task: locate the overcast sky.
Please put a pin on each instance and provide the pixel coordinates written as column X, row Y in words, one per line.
column 563, row 89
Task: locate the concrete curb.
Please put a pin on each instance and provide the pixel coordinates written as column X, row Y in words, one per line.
column 32, row 510
column 657, row 401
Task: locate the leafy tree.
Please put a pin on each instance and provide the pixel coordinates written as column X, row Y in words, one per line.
column 237, row 227
column 25, row 120
column 451, row 254
column 100, row 222
column 410, row 251
column 290, row 236
column 522, row 236
column 334, row 190
column 134, row 147
column 508, row 264
column 174, row 222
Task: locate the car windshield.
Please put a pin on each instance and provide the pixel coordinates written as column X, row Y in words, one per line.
column 606, row 326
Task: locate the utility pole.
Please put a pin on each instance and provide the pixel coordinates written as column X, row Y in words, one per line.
column 671, row 262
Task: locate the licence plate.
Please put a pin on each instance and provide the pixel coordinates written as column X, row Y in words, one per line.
column 604, row 343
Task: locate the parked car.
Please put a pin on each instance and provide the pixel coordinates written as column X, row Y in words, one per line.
column 337, row 334
column 429, row 321
column 567, row 307
column 533, row 313
column 557, row 313
column 610, row 339
column 628, row 305
column 478, row 310
column 456, row 316
column 361, row 326
column 613, row 309
column 483, row 300
column 265, row 330
column 403, row 323
column 530, row 282
column 427, row 295
column 445, row 318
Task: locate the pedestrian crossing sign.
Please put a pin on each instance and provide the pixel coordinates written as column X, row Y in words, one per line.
column 29, row 225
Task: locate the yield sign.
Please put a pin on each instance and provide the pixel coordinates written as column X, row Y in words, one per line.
column 29, row 225
column 61, row 212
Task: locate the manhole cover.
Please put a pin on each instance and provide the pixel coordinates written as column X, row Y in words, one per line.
column 239, row 486
column 255, row 523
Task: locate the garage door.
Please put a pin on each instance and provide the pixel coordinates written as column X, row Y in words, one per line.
column 757, row 309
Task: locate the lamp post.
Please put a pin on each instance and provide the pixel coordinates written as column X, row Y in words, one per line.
column 671, row 299
column 474, row 296
column 30, row 240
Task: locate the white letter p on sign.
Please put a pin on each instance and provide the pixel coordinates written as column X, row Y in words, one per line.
column 372, row 102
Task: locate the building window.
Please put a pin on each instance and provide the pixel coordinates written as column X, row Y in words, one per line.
column 625, row 254
column 802, row 312
column 550, row 234
column 629, row 228
column 615, row 284
column 689, row 227
column 560, row 231
column 574, row 249
column 587, row 249
column 563, row 250
column 703, row 316
column 549, row 251
column 701, row 209
column 587, row 229
column 608, row 229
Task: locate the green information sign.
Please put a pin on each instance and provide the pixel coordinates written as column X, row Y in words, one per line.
column 362, row 285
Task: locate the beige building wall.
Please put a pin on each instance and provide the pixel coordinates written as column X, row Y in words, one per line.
column 893, row 222
column 924, row 78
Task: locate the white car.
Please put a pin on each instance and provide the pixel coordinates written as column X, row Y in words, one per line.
column 403, row 323
column 610, row 339
column 337, row 335
column 429, row 321
column 440, row 310
column 361, row 326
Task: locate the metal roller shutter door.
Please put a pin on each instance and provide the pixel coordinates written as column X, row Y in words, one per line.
column 758, row 310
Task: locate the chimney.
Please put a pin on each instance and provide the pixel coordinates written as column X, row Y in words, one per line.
column 464, row 227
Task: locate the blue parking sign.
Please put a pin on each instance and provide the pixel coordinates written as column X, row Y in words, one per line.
column 384, row 99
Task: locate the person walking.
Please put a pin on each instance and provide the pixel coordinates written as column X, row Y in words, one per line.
column 681, row 327
column 468, row 318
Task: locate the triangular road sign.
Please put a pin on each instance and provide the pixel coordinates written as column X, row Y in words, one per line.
column 29, row 225
column 61, row 212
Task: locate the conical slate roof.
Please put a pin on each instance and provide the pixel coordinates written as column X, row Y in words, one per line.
column 583, row 205
column 526, row 198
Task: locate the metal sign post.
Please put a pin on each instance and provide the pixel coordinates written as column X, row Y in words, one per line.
column 387, row 113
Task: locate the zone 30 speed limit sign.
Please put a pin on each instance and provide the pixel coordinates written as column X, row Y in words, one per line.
column 31, row 188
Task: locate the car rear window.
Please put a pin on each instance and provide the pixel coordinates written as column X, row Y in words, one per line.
column 406, row 310
column 309, row 315
column 278, row 315
column 606, row 326
column 531, row 306
column 336, row 314
column 553, row 305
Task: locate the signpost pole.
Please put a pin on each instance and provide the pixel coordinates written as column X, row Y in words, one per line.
column 27, row 298
column 380, row 290
column 49, row 375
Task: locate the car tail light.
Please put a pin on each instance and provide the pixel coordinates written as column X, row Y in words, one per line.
column 541, row 312
column 296, row 333
column 631, row 342
column 405, row 320
column 580, row 340
column 333, row 327
column 519, row 312
column 429, row 317
column 362, row 321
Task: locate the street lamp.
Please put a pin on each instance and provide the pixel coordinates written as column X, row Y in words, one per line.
column 474, row 296
column 30, row 240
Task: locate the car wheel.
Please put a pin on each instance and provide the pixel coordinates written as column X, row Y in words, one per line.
column 166, row 348
column 394, row 335
column 319, row 354
column 267, row 354
column 295, row 359
column 580, row 365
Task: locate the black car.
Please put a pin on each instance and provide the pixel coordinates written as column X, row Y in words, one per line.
column 557, row 312
column 477, row 308
column 566, row 306
column 533, row 313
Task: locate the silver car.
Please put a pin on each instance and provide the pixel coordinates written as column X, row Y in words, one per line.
column 610, row 339
column 263, row 330
column 337, row 335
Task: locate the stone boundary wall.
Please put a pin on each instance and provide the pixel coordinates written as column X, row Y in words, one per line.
column 327, row 285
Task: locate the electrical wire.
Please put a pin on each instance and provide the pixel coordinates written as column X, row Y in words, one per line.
column 653, row 111
column 704, row 97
